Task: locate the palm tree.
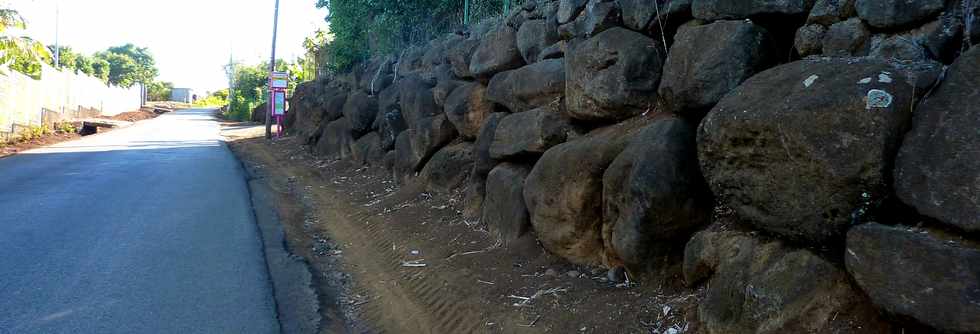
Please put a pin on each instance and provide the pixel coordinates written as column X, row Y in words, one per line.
column 20, row 53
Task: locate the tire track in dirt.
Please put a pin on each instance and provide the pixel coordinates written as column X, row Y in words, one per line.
column 470, row 283
column 420, row 292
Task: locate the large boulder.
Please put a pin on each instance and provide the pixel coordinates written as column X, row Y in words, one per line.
column 568, row 10
column 827, row 12
column 416, row 100
column 566, row 203
column 435, row 53
column 889, row 14
column 612, row 76
column 596, row 17
column 377, row 75
column 305, row 113
column 482, row 164
column 937, row 169
column 497, row 52
column 530, row 86
column 504, row 211
column 392, row 124
column 448, row 168
column 405, row 160
column 389, row 121
column 847, row 38
column 796, row 150
column 430, row 135
column 642, row 15
column 259, row 112
column 972, row 22
column 530, row 133
column 459, row 55
column 708, row 61
column 766, row 287
column 445, row 84
column 467, row 107
column 809, row 39
column 924, row 274
column 409, row 61
column 939, row 40
column 535, row 36
column 712, row 10
column 332, row 102
column 335, row 140
column 360, row 110
column 367, row 149
column 654, row 196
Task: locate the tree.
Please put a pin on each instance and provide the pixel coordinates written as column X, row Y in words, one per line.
column 146, row 69
column 122, row 69
column 67, row 58
column 83, row 64
column 159, row 91
column 129, row 65
column 363, row 28
column 311, row 61
column 21, row 53
column 101, row 68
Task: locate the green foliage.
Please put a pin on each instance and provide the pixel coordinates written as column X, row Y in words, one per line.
column 35, row 132
column 83, row 64
column 66, row 127
column 128, row 65
column 364, row 28
column 159, row 91
column 216, row 99
column 251, row 86
column 21, row 53
column 310, row 63
column 122, row 69
column 101, row 68
column 146, row 69
column 67, row 59
column 250, row 89
column 239, row 108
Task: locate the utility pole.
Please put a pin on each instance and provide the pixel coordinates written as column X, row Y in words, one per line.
column 57, row 48
column 230, row 71
column 272, row 68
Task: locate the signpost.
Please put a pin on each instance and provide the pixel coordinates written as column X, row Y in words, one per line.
column 272, row 69
column 278, row 81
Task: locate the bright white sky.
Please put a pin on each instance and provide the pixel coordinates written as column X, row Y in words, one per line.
column 191, row 40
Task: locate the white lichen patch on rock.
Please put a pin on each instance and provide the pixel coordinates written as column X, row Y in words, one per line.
column 884, row 77
column 878, row 99
column 809, row 81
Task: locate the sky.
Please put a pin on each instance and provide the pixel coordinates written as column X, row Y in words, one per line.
column 191, row 40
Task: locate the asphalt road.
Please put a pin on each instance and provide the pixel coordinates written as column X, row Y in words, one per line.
column 146, row 229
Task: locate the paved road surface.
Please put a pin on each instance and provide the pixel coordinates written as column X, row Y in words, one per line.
column 146, row 229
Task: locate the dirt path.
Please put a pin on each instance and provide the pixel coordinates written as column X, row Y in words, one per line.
column 402, row 260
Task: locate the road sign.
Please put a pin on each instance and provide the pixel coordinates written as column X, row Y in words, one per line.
column 279, row 96
column 278, row 79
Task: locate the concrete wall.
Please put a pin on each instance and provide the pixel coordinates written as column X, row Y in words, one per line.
column 58, row 96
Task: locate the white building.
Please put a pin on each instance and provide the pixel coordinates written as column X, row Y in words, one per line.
column 185, row 95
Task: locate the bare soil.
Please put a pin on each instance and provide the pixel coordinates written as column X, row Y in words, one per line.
column 399, row 259
column 49, row 139
column 133, row 116
column 58, row 137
